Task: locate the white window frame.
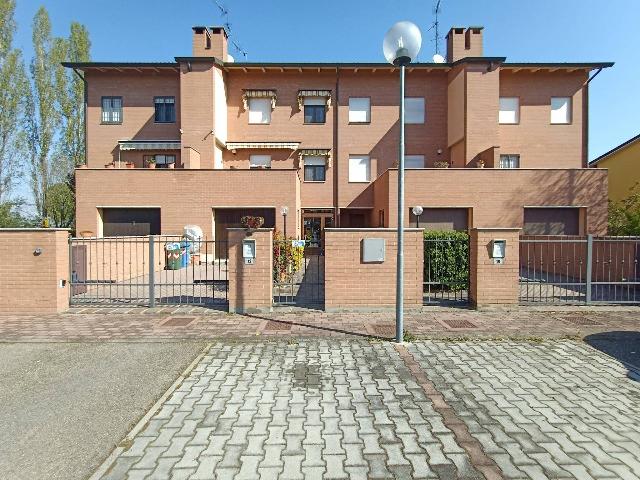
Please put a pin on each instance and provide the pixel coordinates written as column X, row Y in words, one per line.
column 511, row 158
column 359, row 110
column 259, row 111
column 414, row 158
column 556, row 117
column 259, row 161
column 507, row 115
column 359, row 169
column 414, row 110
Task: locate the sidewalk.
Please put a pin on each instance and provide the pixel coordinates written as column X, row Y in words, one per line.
column 194, row 323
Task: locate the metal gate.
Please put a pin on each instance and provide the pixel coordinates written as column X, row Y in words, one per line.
column 298, row 274
column 446, row 270
column 579, row 270
column 149, row 271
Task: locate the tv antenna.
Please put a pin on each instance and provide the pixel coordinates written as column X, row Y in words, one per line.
column 435, row 26
column 224, row 13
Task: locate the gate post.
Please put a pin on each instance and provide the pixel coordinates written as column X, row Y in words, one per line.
column 589, row 272
column 152, row 279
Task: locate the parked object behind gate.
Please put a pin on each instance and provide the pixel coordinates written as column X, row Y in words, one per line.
column 173, row 254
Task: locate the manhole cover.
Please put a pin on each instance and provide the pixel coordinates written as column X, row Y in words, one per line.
column 580, row 321
column 277, row 326
column 455, row 323
column 385, row 330
column 178, row 322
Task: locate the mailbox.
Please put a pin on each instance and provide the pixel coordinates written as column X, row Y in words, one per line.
column 249, row 251
column 498, row 251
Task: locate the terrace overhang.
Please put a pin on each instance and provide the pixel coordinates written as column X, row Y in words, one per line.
column 149, row 144
column 262, row 145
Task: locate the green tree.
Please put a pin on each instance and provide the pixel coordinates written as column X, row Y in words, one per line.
column 42, row 117
column 60, row 205
column 624, row 216
column 13, row 86
column 11, row 217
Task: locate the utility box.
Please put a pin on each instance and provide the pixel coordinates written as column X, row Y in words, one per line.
column 372, row 250
column 249, row 251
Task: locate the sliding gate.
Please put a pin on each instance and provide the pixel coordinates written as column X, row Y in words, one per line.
column 148, row 271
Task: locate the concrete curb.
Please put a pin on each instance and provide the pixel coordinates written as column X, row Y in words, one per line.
column 106, row 465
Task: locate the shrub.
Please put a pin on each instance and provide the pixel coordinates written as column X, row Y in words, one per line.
column 446, row 259
column 251, row 222
column 287, row 259
column 624, row 216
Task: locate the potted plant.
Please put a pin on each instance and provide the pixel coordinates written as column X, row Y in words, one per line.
column 481, row 163
column 151, row 163
column 171, row 165
column 130, row 165
column 441, row 164
column 110, row 165
column 251, row 222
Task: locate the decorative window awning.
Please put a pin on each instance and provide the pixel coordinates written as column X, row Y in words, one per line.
column 149, row 145
column 314, row 152
column 262, row 145
column 269, row 94
column 324, row 94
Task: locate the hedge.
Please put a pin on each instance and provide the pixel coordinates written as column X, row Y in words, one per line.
column 447, row 256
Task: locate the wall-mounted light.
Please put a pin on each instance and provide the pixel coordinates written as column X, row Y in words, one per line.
column 439, row 151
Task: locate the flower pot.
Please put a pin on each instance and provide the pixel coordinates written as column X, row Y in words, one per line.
column 151, row 165
column 130, row 165
column 171, row 165
column 440, row 164
column 109, row 165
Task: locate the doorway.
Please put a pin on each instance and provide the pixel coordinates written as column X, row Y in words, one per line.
column 313, row 224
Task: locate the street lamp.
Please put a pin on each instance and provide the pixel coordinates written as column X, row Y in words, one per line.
column 284, row 212
column 417, row 211
column 400, row 46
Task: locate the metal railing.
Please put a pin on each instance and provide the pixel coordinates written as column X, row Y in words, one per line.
column 579, row 270
column 141, row 271
column 298, row 275
column 446, row 271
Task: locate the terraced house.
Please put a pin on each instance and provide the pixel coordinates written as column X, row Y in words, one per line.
column 205, row 140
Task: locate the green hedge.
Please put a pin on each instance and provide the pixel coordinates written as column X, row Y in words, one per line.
column 446, row 259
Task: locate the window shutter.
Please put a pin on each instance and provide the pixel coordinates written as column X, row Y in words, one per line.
column 560, row 110
column 359, row 168
column 509, row 110
column 414, row 110
column 259, row 110
column 359, row 110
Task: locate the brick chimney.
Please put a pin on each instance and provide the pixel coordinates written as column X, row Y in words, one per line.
column 210, row 42
column 463, row 43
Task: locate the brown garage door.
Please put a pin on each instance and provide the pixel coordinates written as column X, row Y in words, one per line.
column 442, row 219
column 121, row 222
column 551, row 221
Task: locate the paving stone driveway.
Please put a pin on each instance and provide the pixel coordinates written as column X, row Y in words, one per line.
column 360, row 409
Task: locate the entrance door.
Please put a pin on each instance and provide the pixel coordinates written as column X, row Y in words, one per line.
column 313, row 229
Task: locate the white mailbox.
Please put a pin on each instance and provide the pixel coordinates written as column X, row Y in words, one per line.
column 249, row 251
column 498, row 251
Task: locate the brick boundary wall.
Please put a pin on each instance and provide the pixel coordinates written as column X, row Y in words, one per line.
column 493, row 285
column 250, row 286
column 30, row 282
column 351, row 284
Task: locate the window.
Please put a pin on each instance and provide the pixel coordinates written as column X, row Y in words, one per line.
column 509, row 161
column 359, row 110
column 359, row 168
column 111, row 109
column 161, row 161
column 509, row 110
column 260, row 161
column 259, row 110
column 560, row 110
column 165, row 109
column 315, row 110
column 315, row 169
column 414, row 110
column 414, row 161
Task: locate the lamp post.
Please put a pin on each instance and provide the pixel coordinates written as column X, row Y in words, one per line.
column 284, row 212
column 417, row 211
column 400, row 46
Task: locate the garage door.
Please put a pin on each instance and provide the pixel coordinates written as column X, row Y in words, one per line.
column 551, row 221
column 442, row 219
column 121, row 222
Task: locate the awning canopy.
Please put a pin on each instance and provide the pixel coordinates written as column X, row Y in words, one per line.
column 262, row 145
column 326, row 94
column 247, row 94
column 149, row 145
column 314, row 152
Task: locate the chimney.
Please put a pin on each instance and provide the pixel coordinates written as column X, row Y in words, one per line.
column 210, row 42
column 463, row 43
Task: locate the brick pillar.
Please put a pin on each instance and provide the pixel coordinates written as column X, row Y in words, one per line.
column 493, row 284
column 250, row 286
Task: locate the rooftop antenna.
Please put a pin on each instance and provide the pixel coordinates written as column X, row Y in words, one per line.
column 224, row 13
column 437, row 58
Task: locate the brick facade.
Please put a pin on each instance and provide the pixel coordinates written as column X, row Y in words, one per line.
column 352, row 284
column 30, row 282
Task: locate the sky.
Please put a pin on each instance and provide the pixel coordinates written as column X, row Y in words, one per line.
column 352, row 30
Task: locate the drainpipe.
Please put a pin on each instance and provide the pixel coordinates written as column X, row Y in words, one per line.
column 84, row 81
column 585, row 114
column 334, row 158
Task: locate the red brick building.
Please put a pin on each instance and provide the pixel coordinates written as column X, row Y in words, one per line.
column 204, row 140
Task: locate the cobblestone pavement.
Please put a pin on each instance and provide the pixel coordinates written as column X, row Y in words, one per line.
column 367, row 409
column 194, row 323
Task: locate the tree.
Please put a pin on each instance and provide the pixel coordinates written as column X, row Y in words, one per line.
column 10, row 216
column 624, row 216
column 13, row 86
column 60, row 205
column 42, row 118
column 71, row 100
